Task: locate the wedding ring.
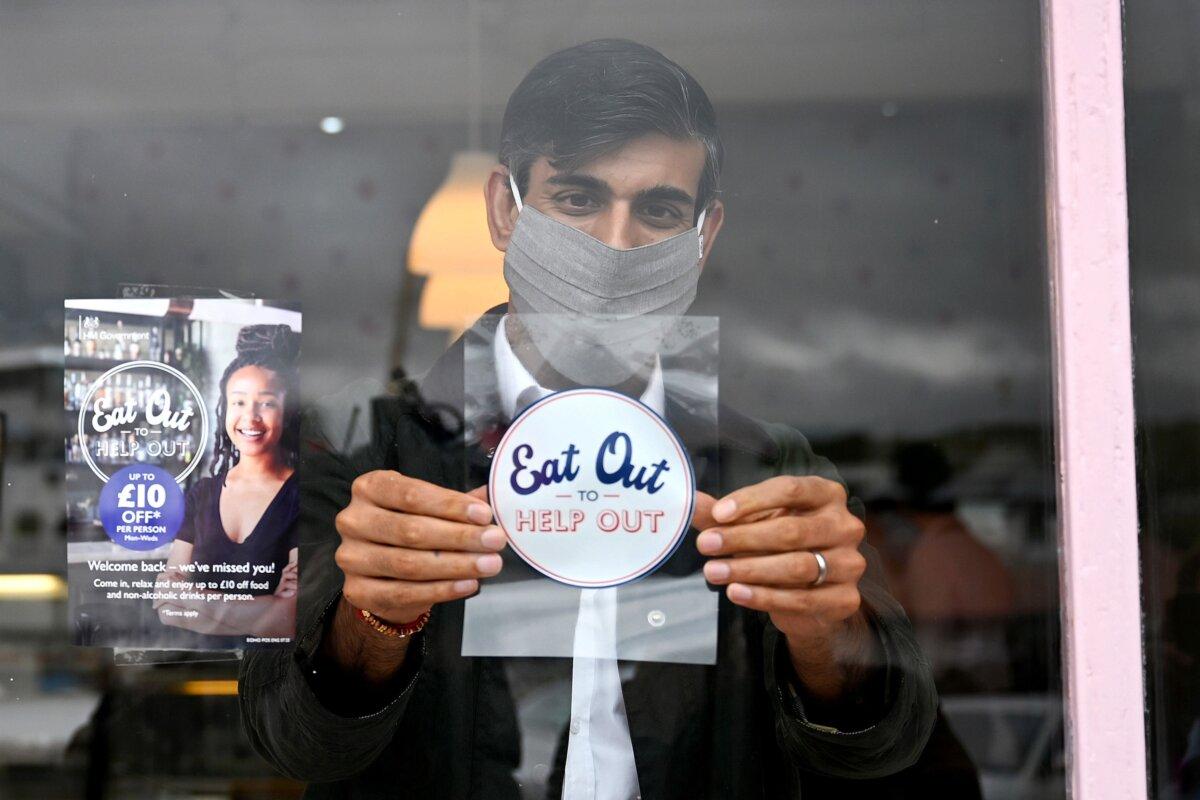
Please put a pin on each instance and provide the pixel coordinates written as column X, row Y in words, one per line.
column 822, row 569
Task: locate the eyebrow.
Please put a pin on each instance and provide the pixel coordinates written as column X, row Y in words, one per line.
column 662, row 192
column 666, row 192
column 580, row 181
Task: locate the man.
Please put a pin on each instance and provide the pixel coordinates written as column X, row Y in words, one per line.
column 606, row 147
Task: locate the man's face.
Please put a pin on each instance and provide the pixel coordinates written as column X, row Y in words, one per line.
column 643, row 193
column 640, row 194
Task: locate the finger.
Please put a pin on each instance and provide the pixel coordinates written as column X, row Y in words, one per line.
column 702, row 514
column 388, row 489
column 424, row 533
column 479, row 493
column 795, row 569
column 783, row 491
column 778, row 535
column 836, row 602
column 381, row 561
column 403, row 601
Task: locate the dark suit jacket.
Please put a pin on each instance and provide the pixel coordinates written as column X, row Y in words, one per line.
column 734, row 730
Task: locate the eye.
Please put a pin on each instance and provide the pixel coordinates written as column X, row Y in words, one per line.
column 576, row 201
column 661, row 214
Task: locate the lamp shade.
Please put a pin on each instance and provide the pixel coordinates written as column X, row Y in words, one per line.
column 452, row 301
column 452, row 248
column 451, row 235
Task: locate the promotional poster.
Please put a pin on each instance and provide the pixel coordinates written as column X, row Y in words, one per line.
column 182, row 431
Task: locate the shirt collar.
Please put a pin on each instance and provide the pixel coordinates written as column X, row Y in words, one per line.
column 513, row 379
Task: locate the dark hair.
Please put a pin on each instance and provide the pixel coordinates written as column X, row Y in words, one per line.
column 272, row 347
column 586, row 101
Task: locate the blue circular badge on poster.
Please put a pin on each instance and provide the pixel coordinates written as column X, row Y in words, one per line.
column 141, row 507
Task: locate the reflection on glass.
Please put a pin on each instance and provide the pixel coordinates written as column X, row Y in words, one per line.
column 879, row 282
column 1162, row 127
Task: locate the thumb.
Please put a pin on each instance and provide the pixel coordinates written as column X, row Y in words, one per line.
column 702, row 518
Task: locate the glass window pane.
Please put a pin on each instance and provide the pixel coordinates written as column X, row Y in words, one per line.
column 1164, row 189
column 876, row 263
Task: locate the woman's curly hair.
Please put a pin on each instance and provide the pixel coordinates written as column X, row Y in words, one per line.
column 275, row 348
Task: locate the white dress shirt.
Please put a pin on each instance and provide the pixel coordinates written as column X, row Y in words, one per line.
column 600, row 763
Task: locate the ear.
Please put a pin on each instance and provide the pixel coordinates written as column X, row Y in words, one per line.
column 713, row 221
column 501, row 207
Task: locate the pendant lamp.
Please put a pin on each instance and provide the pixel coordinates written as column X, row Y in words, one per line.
column 452, row 249
column 450, row 244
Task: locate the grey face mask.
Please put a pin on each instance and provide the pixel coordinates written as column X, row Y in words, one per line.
column 595, row 313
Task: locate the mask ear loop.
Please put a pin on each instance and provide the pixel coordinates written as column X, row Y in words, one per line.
column 512, row 184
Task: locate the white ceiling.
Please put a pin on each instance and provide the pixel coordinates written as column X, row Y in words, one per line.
column 285, row 61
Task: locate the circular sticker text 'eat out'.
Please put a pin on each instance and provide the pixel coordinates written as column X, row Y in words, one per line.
column 592, row 488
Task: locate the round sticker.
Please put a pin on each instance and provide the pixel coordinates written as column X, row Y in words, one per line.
column 592, row 488
column 141, row 507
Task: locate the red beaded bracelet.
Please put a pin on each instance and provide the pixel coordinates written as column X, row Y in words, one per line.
column 387, row 629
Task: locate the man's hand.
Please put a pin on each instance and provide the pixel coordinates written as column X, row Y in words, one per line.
column 408, row 545
column 763, row 537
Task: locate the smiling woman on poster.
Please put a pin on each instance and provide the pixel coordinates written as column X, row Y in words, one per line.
column 238, row 544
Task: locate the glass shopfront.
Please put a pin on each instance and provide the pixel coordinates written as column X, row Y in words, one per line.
column 880, row 288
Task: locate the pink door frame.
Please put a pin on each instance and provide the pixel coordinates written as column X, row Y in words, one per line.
column 1087, row 233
